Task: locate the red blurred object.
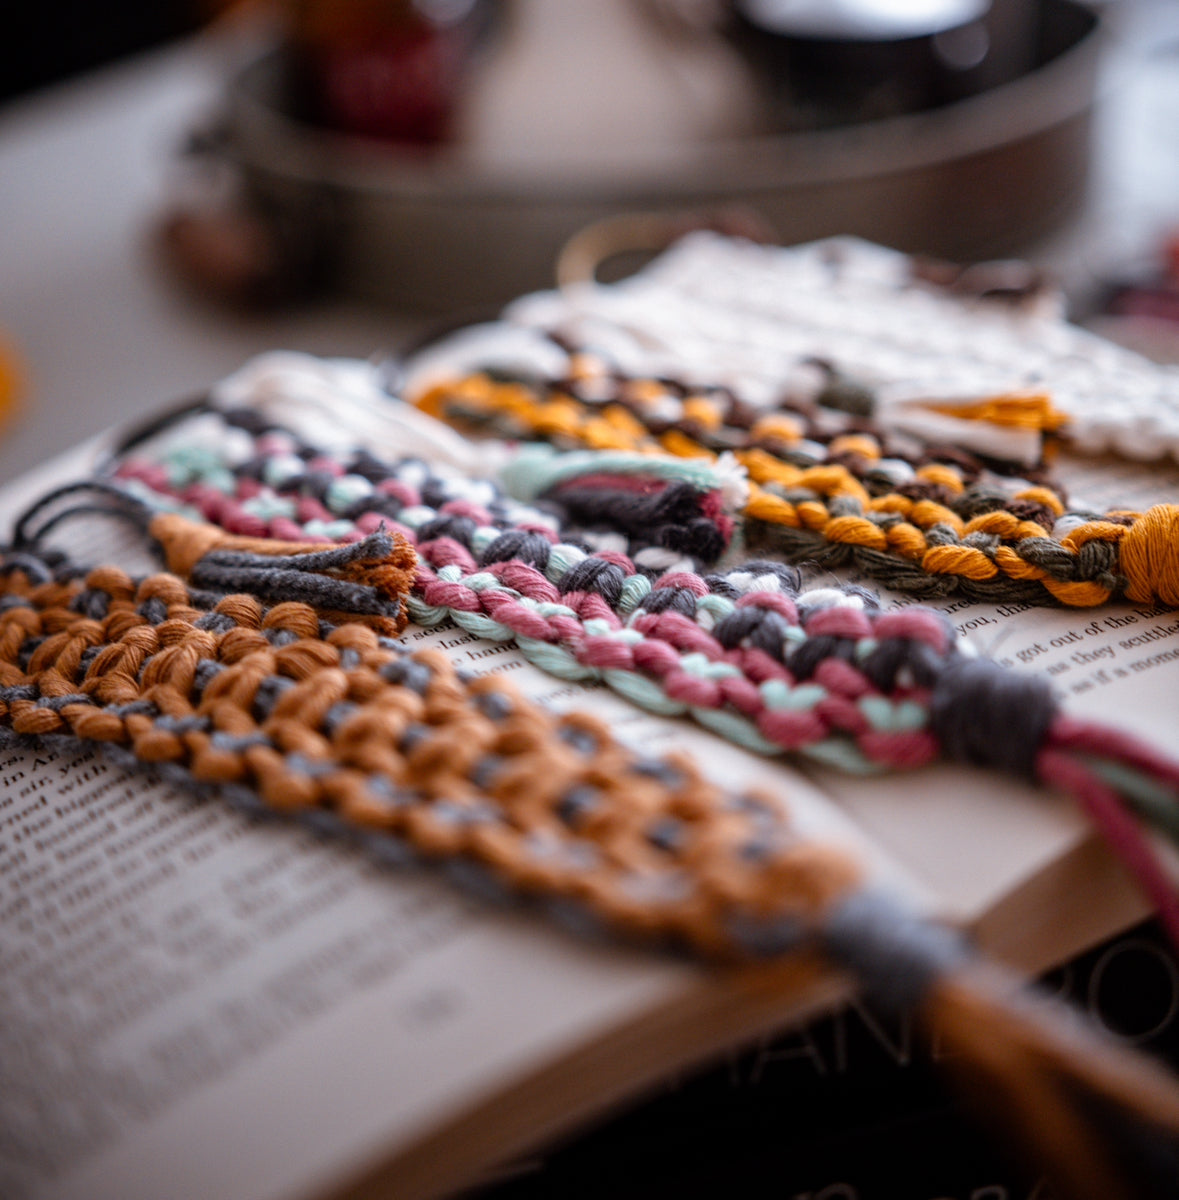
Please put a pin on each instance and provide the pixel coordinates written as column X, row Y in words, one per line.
column 1151, row 295
column 1171, row 257
column 1159, row 303
column 388, row 69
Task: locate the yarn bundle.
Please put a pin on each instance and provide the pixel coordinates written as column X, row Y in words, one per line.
column 749, row 651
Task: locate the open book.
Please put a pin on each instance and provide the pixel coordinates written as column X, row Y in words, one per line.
column 195, row 1005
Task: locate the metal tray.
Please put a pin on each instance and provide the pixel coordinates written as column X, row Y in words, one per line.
column 979, row 178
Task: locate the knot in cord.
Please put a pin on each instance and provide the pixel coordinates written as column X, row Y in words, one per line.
column 896, row 954
column 989, row 716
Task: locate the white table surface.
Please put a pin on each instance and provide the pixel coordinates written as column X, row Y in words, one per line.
column 103, row 331
column 106, row 334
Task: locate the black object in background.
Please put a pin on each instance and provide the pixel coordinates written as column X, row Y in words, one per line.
column 850, row 1107
column 43, row 41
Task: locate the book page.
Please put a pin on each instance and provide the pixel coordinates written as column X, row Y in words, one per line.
column 169, row 968
column 197, row 1004
column 975, row 838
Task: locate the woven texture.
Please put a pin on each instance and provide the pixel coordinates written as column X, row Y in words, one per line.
column 748, row 652
column 269, row 704
column 931, row 527
column 275, row 708
column 756, row 319
column 293, row 695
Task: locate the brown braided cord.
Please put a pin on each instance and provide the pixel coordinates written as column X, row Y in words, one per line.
column 371, row 582
column 398, row 743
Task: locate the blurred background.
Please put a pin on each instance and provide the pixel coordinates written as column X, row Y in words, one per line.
column 186, row 183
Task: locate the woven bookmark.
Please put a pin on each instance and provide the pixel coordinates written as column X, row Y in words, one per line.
column 339, row 725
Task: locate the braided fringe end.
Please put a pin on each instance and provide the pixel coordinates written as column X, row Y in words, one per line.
column 365, row 581
column 1100, row 1122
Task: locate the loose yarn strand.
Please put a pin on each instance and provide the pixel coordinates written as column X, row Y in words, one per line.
column 91, row 497
column 1101, row 804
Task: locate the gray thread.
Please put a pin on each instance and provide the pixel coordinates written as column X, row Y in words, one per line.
column 896, row 954
column 981, row 713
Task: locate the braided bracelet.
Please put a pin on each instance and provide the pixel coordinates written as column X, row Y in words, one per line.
column 983, row 532
column 341, row 726
column 929, row 531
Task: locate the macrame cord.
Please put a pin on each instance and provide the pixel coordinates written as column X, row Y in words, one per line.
column 747, row 652
column 928, row 524
column 340, row 725
column 310, row 707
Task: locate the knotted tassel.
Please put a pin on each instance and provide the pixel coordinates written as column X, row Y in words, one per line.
column 366, row 580
column 666, row 508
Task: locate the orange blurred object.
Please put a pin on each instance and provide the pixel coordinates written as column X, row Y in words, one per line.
column 12, row 377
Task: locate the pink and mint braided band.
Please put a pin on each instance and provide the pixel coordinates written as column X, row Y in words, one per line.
column 266, row 482
column 711, row 647
column 745, row 651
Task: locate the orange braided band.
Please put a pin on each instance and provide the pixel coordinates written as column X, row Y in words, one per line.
column 239, row 696
column 965, row 536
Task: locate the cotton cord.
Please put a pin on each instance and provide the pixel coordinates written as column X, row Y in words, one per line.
column 749, row 653
column 277, row 709
column 257, row 479
column 714, row 310
column 345, row 720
